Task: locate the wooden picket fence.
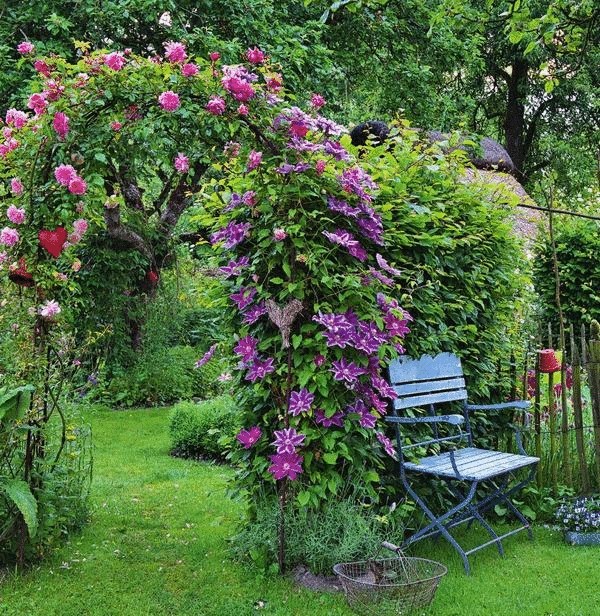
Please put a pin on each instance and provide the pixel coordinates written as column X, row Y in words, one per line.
column 565, row 416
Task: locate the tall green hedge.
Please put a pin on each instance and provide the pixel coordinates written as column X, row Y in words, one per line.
column 463, row 266
column 578, row 253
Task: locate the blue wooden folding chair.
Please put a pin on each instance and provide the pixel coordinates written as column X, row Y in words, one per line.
column 479, row 479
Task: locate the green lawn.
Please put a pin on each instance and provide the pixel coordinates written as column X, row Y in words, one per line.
column 157, row 545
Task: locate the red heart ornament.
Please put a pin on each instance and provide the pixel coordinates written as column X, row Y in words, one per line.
column 53, row 241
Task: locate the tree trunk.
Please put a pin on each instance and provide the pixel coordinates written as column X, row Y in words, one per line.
column 514, row 118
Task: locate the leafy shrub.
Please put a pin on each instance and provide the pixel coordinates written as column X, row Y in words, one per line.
column 339, row 532
column 196, row 429
column 578, row 253
column 163, row 376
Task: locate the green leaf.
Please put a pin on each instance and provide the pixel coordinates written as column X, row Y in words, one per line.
column 19, row 493
column 330, row 458
column 303, row 497
column 549, row 86
column 515, row 37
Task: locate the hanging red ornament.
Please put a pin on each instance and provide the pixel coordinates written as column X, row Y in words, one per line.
column 152, row 277
column 53, row 241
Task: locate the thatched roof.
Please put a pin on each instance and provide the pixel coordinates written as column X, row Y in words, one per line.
column 493, row 156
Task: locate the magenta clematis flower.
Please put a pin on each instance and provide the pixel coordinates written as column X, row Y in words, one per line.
column 250, row 436
column 344, row 370
column 254, row 160
column 253, row 314
column 246, row 348
column 384, row 265
column 206, row 357
column 259, row 369
column 319, row 360
column 286, row 465
column 347, row 240
column 300, row 401
column 232, row 234
column 387, row 444
column 287, row 440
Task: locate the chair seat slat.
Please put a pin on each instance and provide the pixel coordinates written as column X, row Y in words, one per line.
column 407, row 389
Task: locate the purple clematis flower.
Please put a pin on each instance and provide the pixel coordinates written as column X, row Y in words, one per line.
column 387, row 444
column 367, row 420
column 206, row 357
column 344, row 370
column 246, row 348
column 384, row 265
column 383, row 387
column 337, row 150
column 259, row 369
column 347, row 240
column 286, row 465
column 243, row 298
column 287, row 440
column 342, row 207
column 337, row 419
column 300, row 401
column 248, row 437
column 232, row 234
column 234, row 268
column 253, row 314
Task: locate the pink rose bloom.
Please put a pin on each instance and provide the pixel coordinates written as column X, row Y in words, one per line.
column 76, row 266
column 317, row 101
column 16, row 118
column 116, row 126
column 50, row 309
column 9, row 236
column 240, row 89
column 42, row 68
column 216, row 105
column 61, row 124
column 64, row 174
column 77, row 186
column 243, row 110
column 115, row 60
column 189, row 70
column 25, row 47
column 182, row 163
column 175, row 52
column 279, row 234
column 320, row 167
column 255, row 56
column 15, row 215
column 16, row 186
column 80, row 226
column 37, row 102
column 254, row 160
column 232, row 149
column 214, row 56
column 3, row 258
column 169, row 100
column 275, row 83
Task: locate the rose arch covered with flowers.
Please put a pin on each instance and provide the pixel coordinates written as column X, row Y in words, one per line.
column 118, row 144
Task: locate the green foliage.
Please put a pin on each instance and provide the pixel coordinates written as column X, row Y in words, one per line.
column 196, row 429
column 19, row 493
column 341, row 531
column 578, row 254
column 463, row 268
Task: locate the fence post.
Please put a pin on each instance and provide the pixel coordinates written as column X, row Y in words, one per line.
column 593, row 371
column 552, row 423
column 578, row 414
column 537, row 419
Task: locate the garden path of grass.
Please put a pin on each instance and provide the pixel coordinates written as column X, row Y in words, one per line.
column 156, row 545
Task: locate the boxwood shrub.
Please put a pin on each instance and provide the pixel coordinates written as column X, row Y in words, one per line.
column 197, row 428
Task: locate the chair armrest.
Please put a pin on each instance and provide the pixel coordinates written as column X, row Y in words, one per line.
column 455, row 420
column 521, row 405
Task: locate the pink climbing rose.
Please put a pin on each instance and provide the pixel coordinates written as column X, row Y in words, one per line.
column 61, row 124
column 182, row 163
column 64, row 174
column 9, row 236
column 254, row 160
column 216, row 105
column 15, row 215
column 77, row 185
column 255, row 55
column 169, row 100
column 115, row 60
column 50, row 309
column 175, row 52
column 16, row 186
column 25, row 47
column 189, row 70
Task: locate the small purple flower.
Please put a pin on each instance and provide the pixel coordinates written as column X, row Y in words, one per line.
column 243, row 298
column 337, row 419
column 287, row 440
column 396, row 326
column 344, row 370
column 347, row 240
column 384, row 265
column 301, row 145
column 367, row 420
column 286, row 465
column 249, row 198
column 387, row 444
column 206, row 357
column 233, row 234
column 356, row 180
column 246, row 348
column 253, row 314
column 319, row 360
column 335, row 149
column 371, row 228
column 341, row 206
column 287, row 168
column 234, row 268
column 248, row 437
column 381, row 277
column 300, row 401
column 259, row 369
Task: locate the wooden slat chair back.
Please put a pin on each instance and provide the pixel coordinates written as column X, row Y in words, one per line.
column 427, row 383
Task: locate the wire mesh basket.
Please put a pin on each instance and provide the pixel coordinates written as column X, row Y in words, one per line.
column 390, row 586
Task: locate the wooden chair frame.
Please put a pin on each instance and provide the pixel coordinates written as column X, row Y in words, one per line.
column 425, row 383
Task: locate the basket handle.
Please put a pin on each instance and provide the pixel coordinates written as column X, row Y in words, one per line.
column 390, row 546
